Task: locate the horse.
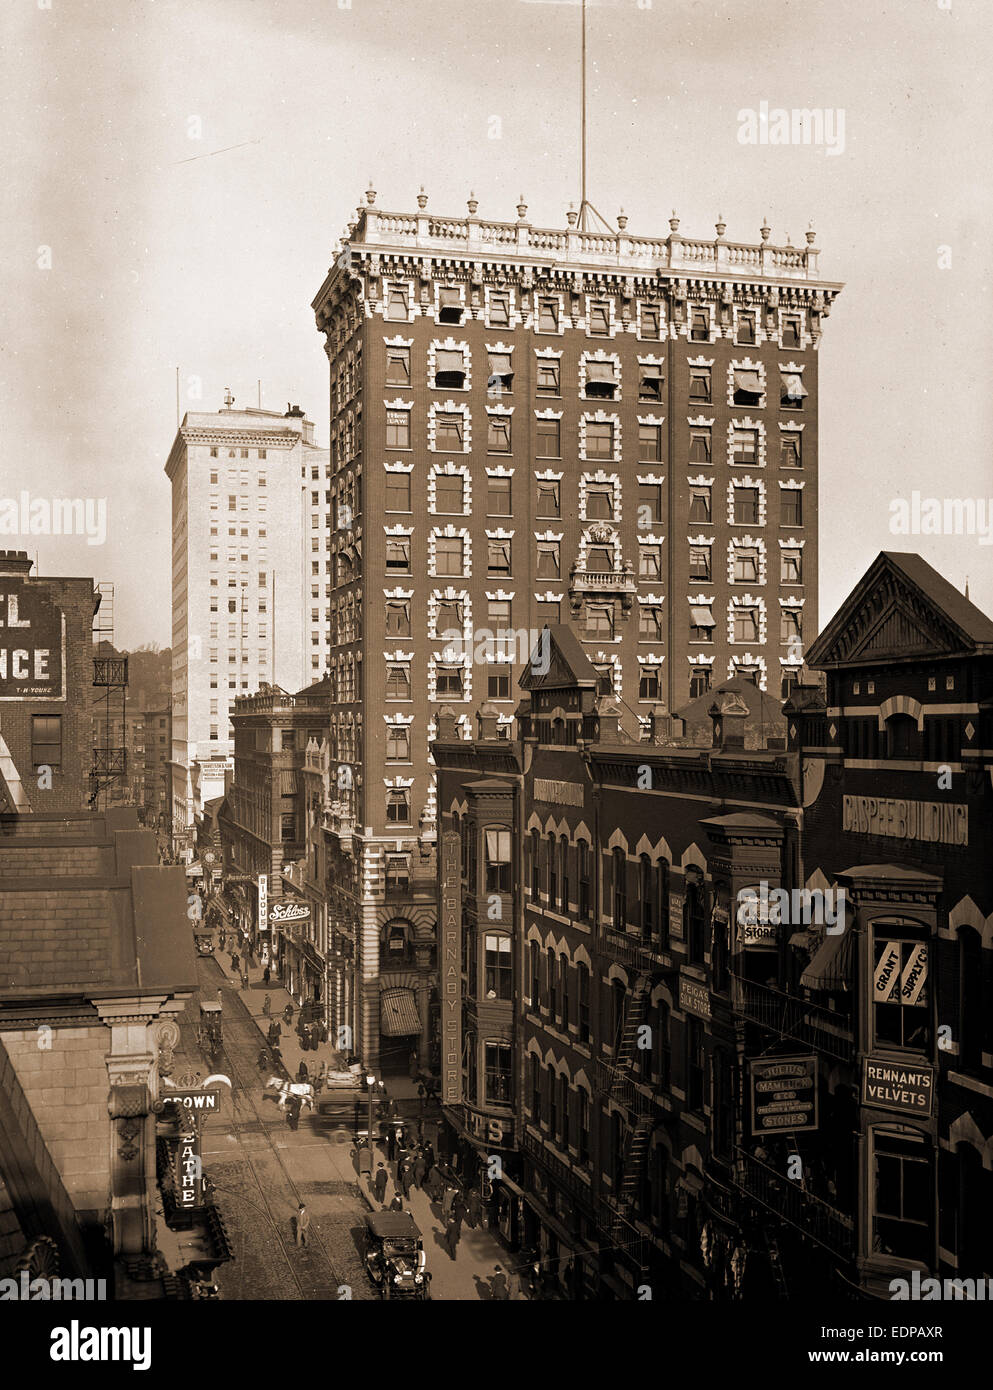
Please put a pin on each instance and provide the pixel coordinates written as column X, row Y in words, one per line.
column 303, row 1090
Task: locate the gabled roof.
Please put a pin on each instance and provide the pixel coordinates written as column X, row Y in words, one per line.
column 901, row 610
column 568, row 665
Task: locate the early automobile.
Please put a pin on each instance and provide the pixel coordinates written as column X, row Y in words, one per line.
column 394, row 1255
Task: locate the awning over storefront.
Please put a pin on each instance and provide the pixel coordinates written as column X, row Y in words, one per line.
column 398, row 1016
column 831, row 966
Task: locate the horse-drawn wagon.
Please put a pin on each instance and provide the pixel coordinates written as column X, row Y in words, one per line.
column 209, row 1035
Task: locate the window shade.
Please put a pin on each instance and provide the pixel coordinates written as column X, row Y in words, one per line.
column 498, row 846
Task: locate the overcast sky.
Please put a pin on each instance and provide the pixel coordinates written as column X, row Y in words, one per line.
column 165, row 253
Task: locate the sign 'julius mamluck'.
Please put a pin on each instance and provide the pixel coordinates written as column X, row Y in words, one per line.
column 32, row 643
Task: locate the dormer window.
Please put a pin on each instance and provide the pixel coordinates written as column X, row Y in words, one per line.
column 449, row 304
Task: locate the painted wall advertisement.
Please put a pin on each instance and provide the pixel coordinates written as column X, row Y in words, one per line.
column 784, row 1093
column 32, row 643
column 451, row 969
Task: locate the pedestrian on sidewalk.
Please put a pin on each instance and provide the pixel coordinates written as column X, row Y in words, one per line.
column 303, row 1224
column 448, row 1197
column 420, row 1169
column 266, row 974
column 365, row 1161
column 244, row 980
column 288, row 1015
column 302, row 1074
column 474, row 1209
column 460, row 1208
column 397, row 1203
column 412, row 1066
column 391, row 1144
column 436, row 1184
column 407, row 1179
column 263, row 1060
column 429, row 1157
column 293, row 1112
column 267, row 1006
column 379, row 1186
column 499, row 1288
column 409, row 1137
column 453, row 1235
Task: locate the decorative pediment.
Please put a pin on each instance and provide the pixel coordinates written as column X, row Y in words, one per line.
column 559, row 665
column 890, row 617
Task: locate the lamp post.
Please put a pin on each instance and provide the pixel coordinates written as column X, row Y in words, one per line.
column 370, row 1082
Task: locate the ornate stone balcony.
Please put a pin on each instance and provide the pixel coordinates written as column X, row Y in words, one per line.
column 584, row 583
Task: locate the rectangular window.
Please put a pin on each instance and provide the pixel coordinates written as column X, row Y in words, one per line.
column 789, row 451
column 900, row 989
column 649, row 503
column 501, row 376
column 499, row 309
column 601, row 381
column 498, row 557
column 700, row 565
column 398, row 806
column 650, row 321
column 790, row 625
column 398, row 366
column 499, row 1075
column 498, row 434
column 700, row 386
column 448, row 433
column 599, row 502
column 746, row 506
column 288, row 826
column 792, row 507
column 700, row 503
column 746, row 625
column 649, row 684
column 449, row 555
column 549, row 612
column 695, row 1065
column 699, row 681
column 449, row 304
column 398, row 680
column 548, row 439
column 498, row 614
column 449, row 681
column 649, row 562
column 745, row 446
column 903, row 1203
column 599, row 320
column 549, row 504
column 746, row 329
column 449, row 493
column 746, row 566
column 700, row 445
column 548, row 560
column 449, row 618
column 599, row 439
column 600, row 621
column 398, row 617
column 548, row 315
column 699, row 326
column 649, row 623
column 398, row 554
column 790, row 566
column 649, row 383
column 398, row 492
column 449, row 369
column 398, row 429
column 701, row 623
column 397, row 743
column 498, row 683
column 791, row 331
column 396, row 303
column 498, row 865
column 650, row 443
column 46, row 741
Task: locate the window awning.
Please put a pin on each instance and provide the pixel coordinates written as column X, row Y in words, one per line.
column 793, row 386
column 600, row 371
column 701, row 615
column 449, row 298
column 398, row 1016
column 747, row 380
column 500, row 364
column 450, row 360
column 831, row 966
column 805, row 940
column 498, row 846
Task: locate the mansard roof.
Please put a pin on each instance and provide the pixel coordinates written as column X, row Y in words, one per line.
column 901, row 610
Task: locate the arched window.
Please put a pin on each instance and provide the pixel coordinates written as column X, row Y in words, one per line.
column 553, row 878
column 662, row 901
column 583, row 880
column 583, row 1002
column 696, row 911
column 535, row 841
column 534, row 973
column 646, row 907
column 663, row 1045
column 619, row 908
column 617, row 994
column 902, row 739
column 552, row 975
column 564, row 872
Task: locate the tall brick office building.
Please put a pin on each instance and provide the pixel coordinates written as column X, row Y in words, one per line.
column 538, row 426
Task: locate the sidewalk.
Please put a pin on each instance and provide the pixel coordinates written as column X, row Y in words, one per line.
column 479, row 1254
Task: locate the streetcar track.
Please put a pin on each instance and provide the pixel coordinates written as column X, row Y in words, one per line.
column 319, row 1288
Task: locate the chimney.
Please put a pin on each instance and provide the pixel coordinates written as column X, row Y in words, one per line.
column 15, row 562
column 729, row 715
column 488, row 721
column 608, row 720
column 659, row 726
column 447, row 725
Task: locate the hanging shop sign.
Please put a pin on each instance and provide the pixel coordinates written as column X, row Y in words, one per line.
column 891, row 1086
column 784, row 1093
column 694, row 998
column 288, row 910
